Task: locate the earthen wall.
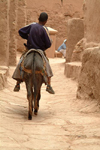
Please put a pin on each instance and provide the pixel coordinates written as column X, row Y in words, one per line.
column 15, row 14
column 12, row 31
column 92, row 20
column 4, row 32
column 59, row 12
column 89, row 82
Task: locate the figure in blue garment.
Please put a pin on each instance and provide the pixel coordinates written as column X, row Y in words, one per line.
column 62, row 48
column 37, row 37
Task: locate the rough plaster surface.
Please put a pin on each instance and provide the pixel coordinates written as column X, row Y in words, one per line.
column 21, row 22
column 58, row 14
column 4, row 33
column 72, row 70
column 89, row 80
column 12, row 32
column 89, row 84
column 92, row 20
column 3, row 76
column 75, row 33
column 78, row 51
column 15, row 14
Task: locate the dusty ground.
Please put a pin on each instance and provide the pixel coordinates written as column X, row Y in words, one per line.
column 63, row 122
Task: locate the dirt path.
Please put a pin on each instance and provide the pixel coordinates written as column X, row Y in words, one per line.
column 63, row 122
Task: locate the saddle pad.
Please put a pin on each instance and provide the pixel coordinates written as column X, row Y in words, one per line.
column 28, row 61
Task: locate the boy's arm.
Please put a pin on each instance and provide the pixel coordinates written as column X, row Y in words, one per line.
column 24, row 32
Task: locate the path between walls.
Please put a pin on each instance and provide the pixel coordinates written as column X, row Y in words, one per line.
column 63, row 122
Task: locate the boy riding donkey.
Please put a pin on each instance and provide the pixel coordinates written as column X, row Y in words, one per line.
column 37, row 37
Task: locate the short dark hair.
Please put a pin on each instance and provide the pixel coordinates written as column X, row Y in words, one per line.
column 43, row 17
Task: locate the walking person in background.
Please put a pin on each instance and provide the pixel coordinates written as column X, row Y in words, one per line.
column 62, row 48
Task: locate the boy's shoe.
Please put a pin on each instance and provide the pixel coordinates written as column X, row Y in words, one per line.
column 17, row 88
column 50, row 89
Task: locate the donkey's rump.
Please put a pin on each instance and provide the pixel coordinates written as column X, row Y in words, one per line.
column 38, row 62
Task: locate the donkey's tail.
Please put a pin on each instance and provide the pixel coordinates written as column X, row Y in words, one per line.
column 34, row 81
column 33, row 68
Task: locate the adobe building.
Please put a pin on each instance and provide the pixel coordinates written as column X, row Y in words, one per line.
column 89, row 78
column 66, row 17
column 15, row 14
column 18, row 13
column 83, row 61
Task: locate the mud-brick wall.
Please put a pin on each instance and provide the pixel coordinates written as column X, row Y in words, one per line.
column 21, row 22
column 92, row 20
column 89, row 79
column 75, row 34
column 8, row 16
column 4, row 33
column 59, row 12
column 12, row 32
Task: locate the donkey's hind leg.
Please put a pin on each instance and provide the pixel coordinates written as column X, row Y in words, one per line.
column 38, row 98
column 30, row 98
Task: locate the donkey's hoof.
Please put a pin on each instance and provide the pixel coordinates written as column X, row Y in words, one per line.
column 16, row 88
column 29, row 117
column 35, row 112
column 32, row 108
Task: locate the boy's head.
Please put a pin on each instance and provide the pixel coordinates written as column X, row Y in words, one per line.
column 43, row 17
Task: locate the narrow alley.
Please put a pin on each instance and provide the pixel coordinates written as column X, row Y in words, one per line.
column 63, row 121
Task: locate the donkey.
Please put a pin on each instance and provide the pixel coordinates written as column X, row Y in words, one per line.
column 33, row 78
